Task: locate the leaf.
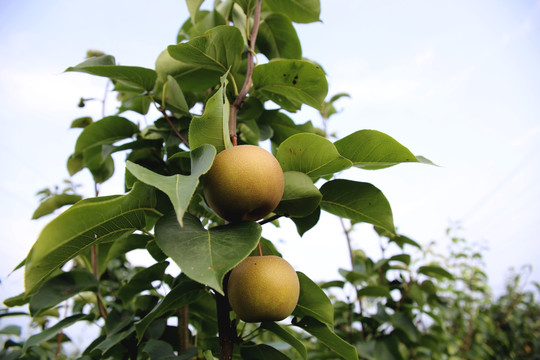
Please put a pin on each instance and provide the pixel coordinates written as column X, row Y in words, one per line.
column 55, row 202
column 328, row 337
column 300, row 11
column 435, row 271
column 371, row 150
column 105, row 131
column 286, row 336
column 179, row 188
column 174, row 97
column 206, row 255
column 374, row 291
column 311, row 154
column 142, row 281
column 401, row 321
column 50, row 332
column 213, row 126
column 193, row 7
column 60, row 288
column 306, row 223
column 300, row 197
column 184, row 293
column 291, row 83
column 313, row 302
column 283, row 126
column 219, row 49
column 105, row 66
column 278, row 38
column 81, row 122
column 358, row 201
column 86, row 223
column 261, row 352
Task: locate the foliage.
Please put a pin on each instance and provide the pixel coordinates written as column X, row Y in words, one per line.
column 208, row 93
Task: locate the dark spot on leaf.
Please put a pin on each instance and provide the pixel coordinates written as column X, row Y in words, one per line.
column 284, row 75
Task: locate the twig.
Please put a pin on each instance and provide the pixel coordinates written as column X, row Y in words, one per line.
column 227, row 332
column 235, row 106
column 175, row 130
column 183, row 330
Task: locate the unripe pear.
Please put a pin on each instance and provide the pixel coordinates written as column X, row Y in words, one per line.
column 244, row 183
column 263, row 288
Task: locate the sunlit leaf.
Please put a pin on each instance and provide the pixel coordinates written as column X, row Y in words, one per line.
column 55, row 202
column 313, row 302
column 300, row 11
column 300, row 197
column 206, row 255
column 277, row 38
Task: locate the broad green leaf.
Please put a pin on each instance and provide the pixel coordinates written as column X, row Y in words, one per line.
column 313, row 302
column 106, row 131
column 50, row 332
column 306, row 223
column 193, row 7
column 75, row 163
column 291, row 83
column 110, row 341
column 436, row 271
column 387, row 348
column 185, row 293
column 206, row 255
column 311, row 154
column 190, row 77
column 200, row 23
column 324, row 334
column 358, row 201
column 261, row 352
column 213, row 126
column 60, row 288
column 11, row 330
column 86, row 223
column 371, row 150
column 105, row 66
column 300, row 11
column 179, row 188
column 81, row 122
column 402, row 321
column 286, row 336
column 219, row 49
column 249, row 132
column 374, row 291
column 104, row 172
column 173, row 97
column 277, row 38
column 300, row 198
column 142, row 281
column 283, row 126
column 55, row 202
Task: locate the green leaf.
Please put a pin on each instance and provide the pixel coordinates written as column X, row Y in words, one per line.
column 374, row 291
column 106, row 131
column 81, row 122
column 179, row 188
column 283, row 126
column 313, row 302
column 55, row 202
column 193, row 7
column 300, row 197
column 50, row 332
column 86, row 223
column 278, row 39
column 291, row 83
column 184, row 293
column 401, row 321
column 219, row 49
column 261, row 352
column 306, row 223
column 174, row 97
column 311, row 154
column 435, row 271
column 206, row 255
column 60, row 288
column 286, row 336
column 105, row 66
column 213, row 126
column 371, row 150
column 300, row 11
column 358, row 201
column 328, row 337
column 142, row 281
column 11, row 330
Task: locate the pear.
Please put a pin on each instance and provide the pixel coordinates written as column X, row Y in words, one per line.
column 263, row 288
column 245, row 182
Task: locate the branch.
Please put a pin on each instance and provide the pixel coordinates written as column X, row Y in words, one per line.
column 183, row 330
column 235, row 106
column 227, row 333
column 182, row 138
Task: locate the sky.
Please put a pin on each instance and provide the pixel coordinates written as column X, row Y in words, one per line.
column 455, row 81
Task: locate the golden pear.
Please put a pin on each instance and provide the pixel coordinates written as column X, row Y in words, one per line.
column 263, row 288
column 244, row 183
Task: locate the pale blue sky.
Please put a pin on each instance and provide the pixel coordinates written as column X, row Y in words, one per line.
column 455, row 81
